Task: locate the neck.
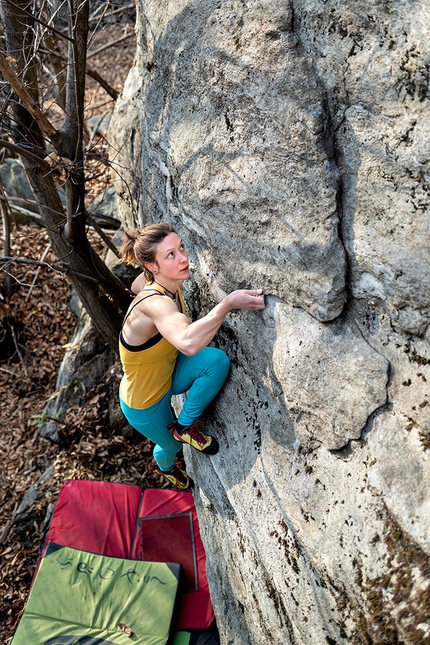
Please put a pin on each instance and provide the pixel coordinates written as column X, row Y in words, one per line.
column 171, row 293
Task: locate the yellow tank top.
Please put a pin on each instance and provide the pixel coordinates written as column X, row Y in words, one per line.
column 147, row 368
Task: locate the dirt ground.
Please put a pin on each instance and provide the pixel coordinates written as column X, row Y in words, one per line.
column 39, row 324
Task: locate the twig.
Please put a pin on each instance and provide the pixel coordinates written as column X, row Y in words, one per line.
column 20, row 282
column 90, row 72
column 127, row 6
column 104, row 237
column 12, row 198
column 112, row 13
column 3, row 369
column 111, row 44
column 19, row 88
column 6, row 231
column 29, row 213
column 93, row 133
column 45, row 253
column 15, row 340
column 54, row 267
column 41, row 22
column 104, row 84
column 99, row 20
column 111, row 222
column 25, row 153
column 99, row 105
column 63, row 423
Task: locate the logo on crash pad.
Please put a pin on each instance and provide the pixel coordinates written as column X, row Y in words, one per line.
column 77, row 640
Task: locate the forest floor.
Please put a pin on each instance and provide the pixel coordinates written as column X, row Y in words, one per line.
column 38, row 312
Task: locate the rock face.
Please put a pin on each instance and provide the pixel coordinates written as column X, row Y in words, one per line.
column 289, row 143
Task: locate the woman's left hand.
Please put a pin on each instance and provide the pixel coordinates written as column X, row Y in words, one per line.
column 251, row 299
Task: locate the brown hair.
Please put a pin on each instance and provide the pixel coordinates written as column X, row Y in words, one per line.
column 140, row 245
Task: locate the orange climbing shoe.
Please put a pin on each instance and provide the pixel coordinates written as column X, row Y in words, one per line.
column 177, row 476
column 194, row 436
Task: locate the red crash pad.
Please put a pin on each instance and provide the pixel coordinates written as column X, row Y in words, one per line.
column 195, row 608
column 180, row 544
column 96, row 516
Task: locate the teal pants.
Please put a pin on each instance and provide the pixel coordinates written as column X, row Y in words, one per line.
column 202, row 377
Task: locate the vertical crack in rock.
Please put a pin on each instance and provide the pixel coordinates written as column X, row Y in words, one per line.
column 246, row 184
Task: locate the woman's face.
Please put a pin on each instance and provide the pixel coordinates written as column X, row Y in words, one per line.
column 171, row 258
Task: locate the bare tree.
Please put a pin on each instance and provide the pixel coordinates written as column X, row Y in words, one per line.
column 49, row 153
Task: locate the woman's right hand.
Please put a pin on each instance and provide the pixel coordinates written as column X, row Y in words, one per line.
column 251, row 299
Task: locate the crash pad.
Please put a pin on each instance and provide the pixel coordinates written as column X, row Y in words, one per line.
column 195, row 606
column 81, row 598
column 109, row 519
column 96, row 516
column 178, row 547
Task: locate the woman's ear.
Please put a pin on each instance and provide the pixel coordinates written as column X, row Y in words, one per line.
column 151, row 268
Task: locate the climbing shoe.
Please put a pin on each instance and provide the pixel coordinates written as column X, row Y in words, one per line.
column 194, row 436
column 177, row 476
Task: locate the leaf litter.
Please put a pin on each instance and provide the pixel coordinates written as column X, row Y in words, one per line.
column 40, row 325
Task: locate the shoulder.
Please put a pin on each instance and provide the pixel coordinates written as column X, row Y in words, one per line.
column 150, row 299
column 143, row 298
column 149, row 296
column 139, row 283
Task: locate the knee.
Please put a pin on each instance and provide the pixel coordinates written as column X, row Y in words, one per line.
column 221, row 360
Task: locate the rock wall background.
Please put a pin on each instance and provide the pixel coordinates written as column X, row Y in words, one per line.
column 289, row 143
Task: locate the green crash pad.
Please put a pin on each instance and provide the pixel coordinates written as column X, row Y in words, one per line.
column 81, row 598
column 181, row 638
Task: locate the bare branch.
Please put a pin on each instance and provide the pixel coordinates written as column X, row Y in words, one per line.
column 31, row 215
column 99, row 105
column 56, row 60
column 111, row 44
column 111, row 13
column 41, row 22
column 6, row 232
column 16, row 84
column 104, row 84
column 73, row 126
column 93, row 134
column 54, row 267
column 100, row 291
column 2, row 369
column 91, row 73
column 75, row 90
column 42, row 259
column 25, row 153
column 18, row 200
column 95, row 30
column 104, row 237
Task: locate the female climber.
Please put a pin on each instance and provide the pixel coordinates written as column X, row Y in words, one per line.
column 163, row 353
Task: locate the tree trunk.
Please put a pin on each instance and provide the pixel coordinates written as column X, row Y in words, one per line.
column 103, row 295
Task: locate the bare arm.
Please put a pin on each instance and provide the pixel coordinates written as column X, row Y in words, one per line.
column 189, row 337
column 139, row 283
